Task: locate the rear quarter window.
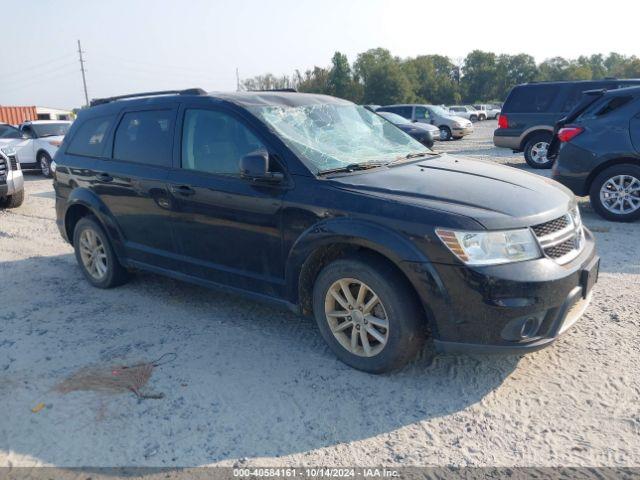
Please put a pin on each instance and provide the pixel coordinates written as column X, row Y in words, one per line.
column 609, row 105
column 531, row 99
column 89, row 139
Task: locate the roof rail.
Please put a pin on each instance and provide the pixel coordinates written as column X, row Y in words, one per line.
column 188, row 91
column 289, row 90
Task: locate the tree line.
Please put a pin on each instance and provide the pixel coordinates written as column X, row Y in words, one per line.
column 378, row 77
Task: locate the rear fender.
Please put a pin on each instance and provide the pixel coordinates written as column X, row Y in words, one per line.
column 88, row 199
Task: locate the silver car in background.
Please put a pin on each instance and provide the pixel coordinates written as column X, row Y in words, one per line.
column 450, row 126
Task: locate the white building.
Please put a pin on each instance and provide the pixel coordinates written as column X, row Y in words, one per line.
column 46, row 113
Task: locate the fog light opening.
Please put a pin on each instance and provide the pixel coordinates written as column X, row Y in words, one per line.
column 529, row 328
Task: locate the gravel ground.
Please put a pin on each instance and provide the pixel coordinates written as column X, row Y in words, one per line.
column 252, row 385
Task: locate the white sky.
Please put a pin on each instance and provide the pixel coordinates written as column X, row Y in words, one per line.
column 135, row 45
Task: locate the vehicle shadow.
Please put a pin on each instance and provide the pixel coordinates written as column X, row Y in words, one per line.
column 249, row 380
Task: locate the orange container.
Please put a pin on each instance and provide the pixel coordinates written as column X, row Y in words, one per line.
column 17, row 115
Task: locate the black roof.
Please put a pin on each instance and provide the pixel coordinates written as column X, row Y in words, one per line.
column 243, row 99
column 633, row 81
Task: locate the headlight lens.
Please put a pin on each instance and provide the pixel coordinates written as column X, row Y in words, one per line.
column 491, row 248
column 8, row 151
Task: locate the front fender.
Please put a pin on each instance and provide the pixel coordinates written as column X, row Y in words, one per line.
column 393, row 246
column 89, row 200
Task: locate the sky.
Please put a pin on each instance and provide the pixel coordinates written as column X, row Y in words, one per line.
column 138, row 45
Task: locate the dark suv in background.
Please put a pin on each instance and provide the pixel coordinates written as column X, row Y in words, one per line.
column 597, row 152
column 320, row 205
column 531, row 111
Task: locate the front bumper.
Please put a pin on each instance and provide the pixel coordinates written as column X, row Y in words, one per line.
column 12, row 184
column 482, row 309
column 461, row 132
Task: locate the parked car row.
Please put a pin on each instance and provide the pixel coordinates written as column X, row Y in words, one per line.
column 35, row 142
column 451, row 127
column 588, row 131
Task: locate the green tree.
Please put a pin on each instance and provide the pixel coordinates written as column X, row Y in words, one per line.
column 512, row 70
column 382, row 78
column 313, row 81
column 340, row 80
column 479, row 74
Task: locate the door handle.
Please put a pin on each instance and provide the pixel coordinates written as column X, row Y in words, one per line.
column 104, row 177
column 183, row 190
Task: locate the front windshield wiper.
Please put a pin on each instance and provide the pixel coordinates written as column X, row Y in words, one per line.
column 352, row 167
column 418, row 155
column 50, row 135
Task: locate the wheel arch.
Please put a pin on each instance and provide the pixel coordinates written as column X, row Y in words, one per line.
column 531, row 132
column 45, row 151
column 81, row 203
column 325, row 243
column 607, row 164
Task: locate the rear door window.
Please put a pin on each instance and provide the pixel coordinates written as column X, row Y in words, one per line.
column 89, row 140
column 145, row 137
column 531, row 99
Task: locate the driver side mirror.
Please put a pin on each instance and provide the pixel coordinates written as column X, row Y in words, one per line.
column 254, row 166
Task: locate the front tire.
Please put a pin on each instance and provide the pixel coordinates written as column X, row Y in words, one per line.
column 474, row 118
column 95, row 255
column 535, row 151
column 367, row 314
column 13, row 201
column 615, row 193
column 445, row 133
column 44, row 162
column 482, row 118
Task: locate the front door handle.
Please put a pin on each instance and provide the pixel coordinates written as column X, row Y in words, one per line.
column 183, row 190
column 104, row 177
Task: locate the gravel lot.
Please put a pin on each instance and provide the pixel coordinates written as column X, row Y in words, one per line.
column 252, row 385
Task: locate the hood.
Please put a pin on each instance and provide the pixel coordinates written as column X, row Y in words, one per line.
column 496, row 196
column 9, row 141
column 459, row 119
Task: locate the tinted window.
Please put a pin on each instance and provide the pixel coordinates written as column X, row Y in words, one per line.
column 606, row 106
column 531, row 99
column 7, row 131
column 145, row 137
column 90, row 137
column 575, row 94
column 27, row 130
column 50, row 129
column 422, row 113
column 214, row 142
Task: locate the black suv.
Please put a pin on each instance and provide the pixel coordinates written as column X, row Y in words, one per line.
column 325, row 207
column 531, row 110
column 597, row 152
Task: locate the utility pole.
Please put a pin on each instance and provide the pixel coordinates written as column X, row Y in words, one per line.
column 237, row 80
column 84, row 80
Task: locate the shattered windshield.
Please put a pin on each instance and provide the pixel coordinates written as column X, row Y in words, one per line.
column 336, row 135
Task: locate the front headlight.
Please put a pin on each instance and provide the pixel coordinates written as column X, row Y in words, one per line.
column 491, row 247
column 8, row 151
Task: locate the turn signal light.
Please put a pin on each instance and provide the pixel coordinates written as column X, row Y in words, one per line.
column 567, row 133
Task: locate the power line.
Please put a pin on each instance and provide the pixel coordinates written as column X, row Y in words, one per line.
column 84, row 79
column 29, row 69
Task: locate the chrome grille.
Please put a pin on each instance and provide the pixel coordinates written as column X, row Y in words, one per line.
column 562, row 249
column 561, row 239
column 3, row 166
column 552, row 226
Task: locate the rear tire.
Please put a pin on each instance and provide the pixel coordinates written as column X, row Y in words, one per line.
column 376, row 349
column 44, row 162
column 482, row 118
column 605, row 195
column 92, row 243
column 535, row 151
column 13, row 201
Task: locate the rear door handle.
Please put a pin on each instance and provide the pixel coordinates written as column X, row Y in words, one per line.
column 183, row 190
column 104, row 177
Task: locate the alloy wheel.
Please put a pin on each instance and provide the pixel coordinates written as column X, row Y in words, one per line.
column 357, row 318
column 44, row 166
column 93, row 254
column 539, row 152
column 621, row 194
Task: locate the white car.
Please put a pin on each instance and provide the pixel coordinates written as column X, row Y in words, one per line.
column 39, row 141
column 488, row 111
column 465, row 111
column 11, row 181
